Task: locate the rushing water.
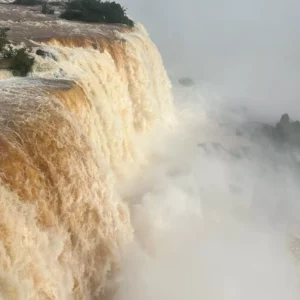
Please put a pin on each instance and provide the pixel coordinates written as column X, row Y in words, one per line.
column 110, row 186
column 69, row 133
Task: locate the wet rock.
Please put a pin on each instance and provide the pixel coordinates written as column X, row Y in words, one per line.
column 45, row 54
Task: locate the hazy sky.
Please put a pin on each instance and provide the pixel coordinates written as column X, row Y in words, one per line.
column 250, row 47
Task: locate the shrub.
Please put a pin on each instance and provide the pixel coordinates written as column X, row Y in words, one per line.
column 21, row 61
column 96, row 11
column 46, row 9
column 3, row 38
column 57, row 3
column 28, row 2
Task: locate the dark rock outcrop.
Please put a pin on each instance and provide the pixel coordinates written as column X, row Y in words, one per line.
column 186, row 81
column 288, row 131
column 45, row 54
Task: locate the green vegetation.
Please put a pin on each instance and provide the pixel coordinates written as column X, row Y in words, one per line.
column 21, row 61
column 28, row 2
column 46, row 9
column 93, row 11
column 96, row 11
column 57, row 3
column 3, row 38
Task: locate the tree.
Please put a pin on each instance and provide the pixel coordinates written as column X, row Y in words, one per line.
column 96, row 11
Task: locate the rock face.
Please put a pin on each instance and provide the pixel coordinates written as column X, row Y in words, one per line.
column 285, row 131
column 283, row 127
column 288, row 131
column 45, row 54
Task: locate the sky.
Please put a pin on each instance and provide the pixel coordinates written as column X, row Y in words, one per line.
column 248, row 49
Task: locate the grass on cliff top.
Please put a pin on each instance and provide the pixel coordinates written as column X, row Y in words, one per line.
column 96, row 11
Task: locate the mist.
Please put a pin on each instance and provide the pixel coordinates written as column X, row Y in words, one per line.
column 248, row 49
column 215, row 212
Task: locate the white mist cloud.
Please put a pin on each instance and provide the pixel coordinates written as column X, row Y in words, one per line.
column 224, row 262
column 211, row 224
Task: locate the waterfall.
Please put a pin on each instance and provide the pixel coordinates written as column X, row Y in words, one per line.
column 68, row 133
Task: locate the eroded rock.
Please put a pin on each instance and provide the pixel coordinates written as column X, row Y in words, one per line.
column 45, row 54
